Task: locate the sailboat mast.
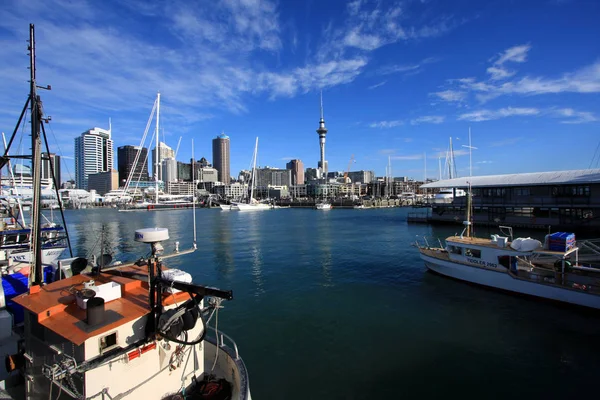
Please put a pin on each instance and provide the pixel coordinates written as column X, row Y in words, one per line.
column 36, row 276
column 253, row 171
column 157, row 161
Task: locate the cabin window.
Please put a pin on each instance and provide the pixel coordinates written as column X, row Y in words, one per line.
column 108, row 342
column 10, row 239
column 475, row 253
column 454, row 249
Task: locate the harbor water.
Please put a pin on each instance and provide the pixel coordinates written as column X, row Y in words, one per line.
column 337, row 305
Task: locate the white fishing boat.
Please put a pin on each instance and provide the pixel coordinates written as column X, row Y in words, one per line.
column 523, row 265
column 138, row 330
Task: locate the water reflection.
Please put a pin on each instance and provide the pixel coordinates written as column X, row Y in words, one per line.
column 324, row 240
column 223, row 254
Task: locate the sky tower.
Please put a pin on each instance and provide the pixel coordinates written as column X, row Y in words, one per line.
column 322, row 131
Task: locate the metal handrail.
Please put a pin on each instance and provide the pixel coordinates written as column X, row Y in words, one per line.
column 220, row 343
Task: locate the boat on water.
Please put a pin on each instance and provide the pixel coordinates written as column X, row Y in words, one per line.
column 138, row 330
column 323, row 206
column 252, row 204
column 360, row 207
column 552, row 270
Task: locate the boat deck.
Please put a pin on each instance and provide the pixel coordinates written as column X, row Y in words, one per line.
column 56, row 308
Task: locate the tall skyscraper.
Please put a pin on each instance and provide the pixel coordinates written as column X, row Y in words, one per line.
column 93, row 154
column 322, row 131
column 220, row 147
column 46, row 171
column 164, row 151
column 125, row 160
column 297, row 168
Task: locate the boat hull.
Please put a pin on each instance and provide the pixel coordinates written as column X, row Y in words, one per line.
column 505, row 281
column 251, row 207
column 49, row 255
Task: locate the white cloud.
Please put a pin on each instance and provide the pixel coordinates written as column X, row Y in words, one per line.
column 370, row 25
column 430, row 119
column 569, row 115
column 516, row 54
column 486, row 115
column 452, row 95
column 386, row 124
column 577, row 117
column 583, row 80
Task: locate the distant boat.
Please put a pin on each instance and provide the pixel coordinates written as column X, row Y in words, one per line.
column 323, row 206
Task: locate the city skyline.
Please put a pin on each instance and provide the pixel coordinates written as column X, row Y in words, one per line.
column 398, row 80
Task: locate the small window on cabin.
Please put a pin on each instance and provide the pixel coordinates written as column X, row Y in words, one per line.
column 455, row 249
column 108, row 342
column 472, row 253
column 10, row 239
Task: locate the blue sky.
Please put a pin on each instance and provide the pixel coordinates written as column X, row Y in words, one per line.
column 398, row 78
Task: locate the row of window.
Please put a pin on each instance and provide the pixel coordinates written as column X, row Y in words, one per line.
column 575, row 190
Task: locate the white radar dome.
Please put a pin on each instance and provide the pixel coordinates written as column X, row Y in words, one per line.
column 151, row 235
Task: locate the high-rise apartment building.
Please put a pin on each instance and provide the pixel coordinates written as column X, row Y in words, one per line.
column 125, row 163
column 169, row 170
column 221, row 161
column 93, row 154
column 47, row 171
column 297, row 168
column 164, row 151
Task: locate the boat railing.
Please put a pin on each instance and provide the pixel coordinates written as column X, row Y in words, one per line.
column 423, row 242
column 592, row 245
column 551, row 276
column 220, row 338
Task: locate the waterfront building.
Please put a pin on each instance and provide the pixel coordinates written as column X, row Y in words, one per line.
column 298, row 191
column 53, row 159
column 169, row 170
column 322, row 132
column 323, row 190
column 180, row 188
column 164, row 151
column 361, row 176
column 207, row 174
column 235, row 190
column 278, row 192
column 93, row 154
column 103, row 182
column 297, row 168
column 125, row 163
column 221, row 161
column 351, row 189
column 568, row 200
column 273, row 177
